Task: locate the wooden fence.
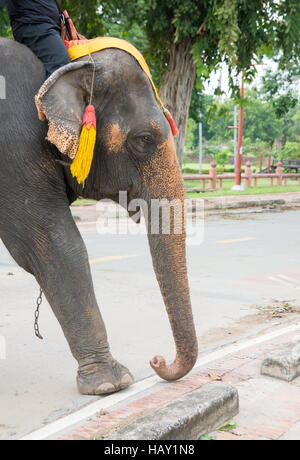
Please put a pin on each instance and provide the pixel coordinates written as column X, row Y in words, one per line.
column 216, row 180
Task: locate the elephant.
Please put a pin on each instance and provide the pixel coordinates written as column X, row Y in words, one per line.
column 134, row 153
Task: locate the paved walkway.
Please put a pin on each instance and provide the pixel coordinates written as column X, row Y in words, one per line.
column 269, row 408
column 251, row 200
column 90, row 213
column 289, row 197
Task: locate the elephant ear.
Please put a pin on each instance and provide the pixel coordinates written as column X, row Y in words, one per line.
column 62, row 100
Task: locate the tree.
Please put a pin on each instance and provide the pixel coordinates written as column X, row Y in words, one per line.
column 261, row 122
column 86, row 16
column 5, row 29
column 293, row 132
column 291, row 151
column 279, row 88
column 185, row 40
column 190, row 38
column 222, row 157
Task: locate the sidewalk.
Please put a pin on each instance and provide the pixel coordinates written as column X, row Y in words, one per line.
column 251, row 201
column 90, row 213
column 269, row 408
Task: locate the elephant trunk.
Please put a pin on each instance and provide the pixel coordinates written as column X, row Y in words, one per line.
column 169, row 260
column 167, row 239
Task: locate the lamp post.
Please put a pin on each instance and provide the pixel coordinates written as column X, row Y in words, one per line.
column 200, row 148
column 235, row 134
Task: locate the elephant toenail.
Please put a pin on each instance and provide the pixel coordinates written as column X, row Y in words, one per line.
column 126, row 381
column 105, row 388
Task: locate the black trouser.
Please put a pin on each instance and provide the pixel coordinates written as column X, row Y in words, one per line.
column 45, row 41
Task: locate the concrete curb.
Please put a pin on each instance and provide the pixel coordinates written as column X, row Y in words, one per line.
column 248, row 204
column 187, row 418
column 283, row 364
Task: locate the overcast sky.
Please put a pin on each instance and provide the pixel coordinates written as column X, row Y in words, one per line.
column 221, row 76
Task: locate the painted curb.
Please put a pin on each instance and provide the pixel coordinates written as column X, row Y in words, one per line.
column 187, row 418
column 283, row 364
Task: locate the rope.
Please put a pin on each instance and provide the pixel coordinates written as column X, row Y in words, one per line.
column 91, row 59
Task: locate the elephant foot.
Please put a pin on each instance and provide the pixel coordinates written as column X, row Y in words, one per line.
column 102, row 379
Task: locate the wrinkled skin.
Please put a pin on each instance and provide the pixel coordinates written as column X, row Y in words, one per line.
column 134, row 152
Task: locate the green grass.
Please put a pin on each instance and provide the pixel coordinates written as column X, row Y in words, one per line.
column 193, row 168
column 262, row 187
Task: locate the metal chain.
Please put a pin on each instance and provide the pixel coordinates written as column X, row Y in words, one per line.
column 37, row 316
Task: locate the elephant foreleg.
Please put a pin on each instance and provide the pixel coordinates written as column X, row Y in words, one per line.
column 56, row 255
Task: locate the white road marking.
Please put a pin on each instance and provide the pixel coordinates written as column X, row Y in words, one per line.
column 109, row 258
column 285, row 281
column 109, row 401
column 236, row 240
column 279, row 281
column 86, row 223
column 293, row 281
column 91, row 410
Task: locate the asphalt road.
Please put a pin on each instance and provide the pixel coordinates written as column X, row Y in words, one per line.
column 242, row 262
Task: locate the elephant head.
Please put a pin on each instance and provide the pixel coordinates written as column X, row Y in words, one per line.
column 134, row 152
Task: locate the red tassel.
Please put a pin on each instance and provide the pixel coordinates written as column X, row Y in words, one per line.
column 89, row 117
column 175, row 130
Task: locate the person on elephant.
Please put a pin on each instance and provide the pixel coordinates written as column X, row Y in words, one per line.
column 36, row 24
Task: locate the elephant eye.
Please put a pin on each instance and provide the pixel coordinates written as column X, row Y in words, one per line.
column 146, row 139
column 142, row 144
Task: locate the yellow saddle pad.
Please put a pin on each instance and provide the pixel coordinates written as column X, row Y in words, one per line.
column 81, row 48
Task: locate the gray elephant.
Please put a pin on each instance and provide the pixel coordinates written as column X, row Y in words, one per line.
column 134, row 153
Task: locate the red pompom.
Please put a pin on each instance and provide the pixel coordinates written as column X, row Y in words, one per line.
column 89, row 117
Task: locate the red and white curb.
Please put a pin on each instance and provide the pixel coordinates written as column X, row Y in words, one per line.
column 65, row 423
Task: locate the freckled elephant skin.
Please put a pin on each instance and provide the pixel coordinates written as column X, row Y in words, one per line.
column 134, row 153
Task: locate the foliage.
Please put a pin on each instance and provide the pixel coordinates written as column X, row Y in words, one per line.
column 237, row 32
column 206, row 437
column 5, row 29
column 262, row 127
column 292, row 124
column 191, row 137
column 255, row 148
column 86, row 16
column 278, row 89
column 230, row 426
column 287, row 38
column 234, row 31
column 261, row 122
column 222, row 157
column 290, row 151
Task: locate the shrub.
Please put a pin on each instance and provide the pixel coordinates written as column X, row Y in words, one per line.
column 290, row 151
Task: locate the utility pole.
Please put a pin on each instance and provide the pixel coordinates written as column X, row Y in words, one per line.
column 200, row 147
column 235, row 134
column 238, row 187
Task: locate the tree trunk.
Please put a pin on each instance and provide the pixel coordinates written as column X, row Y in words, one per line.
column 177, row 87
